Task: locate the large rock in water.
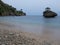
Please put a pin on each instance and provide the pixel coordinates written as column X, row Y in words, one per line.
column 49, row 14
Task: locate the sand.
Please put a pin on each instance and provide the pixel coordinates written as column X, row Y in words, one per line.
column 10, row 35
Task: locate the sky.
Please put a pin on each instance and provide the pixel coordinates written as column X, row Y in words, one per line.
column 34, row 7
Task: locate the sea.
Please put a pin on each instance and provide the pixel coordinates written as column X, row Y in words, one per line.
column 35, row 24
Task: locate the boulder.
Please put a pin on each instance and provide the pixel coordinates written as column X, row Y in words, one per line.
column 48, row 13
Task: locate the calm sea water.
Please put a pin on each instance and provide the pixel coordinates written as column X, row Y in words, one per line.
column 32, row 20
column 35, row 24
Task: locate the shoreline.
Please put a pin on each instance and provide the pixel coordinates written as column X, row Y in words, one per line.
column 7, row 32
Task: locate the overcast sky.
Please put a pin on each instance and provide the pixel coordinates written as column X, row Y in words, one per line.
column 34, row 7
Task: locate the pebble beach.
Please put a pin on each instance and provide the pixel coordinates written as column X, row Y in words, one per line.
column 12, row 36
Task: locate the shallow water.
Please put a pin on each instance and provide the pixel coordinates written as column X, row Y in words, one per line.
column 36, row 24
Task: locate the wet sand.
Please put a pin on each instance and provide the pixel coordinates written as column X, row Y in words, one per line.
column 10, row 35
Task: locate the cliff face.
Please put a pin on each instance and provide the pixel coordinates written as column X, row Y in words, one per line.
column 6, row 10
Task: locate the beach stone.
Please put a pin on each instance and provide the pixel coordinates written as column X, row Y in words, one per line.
column 24, row 44
column 17, row 34
column 7, row 43
column 0, row 42
column 46, row 43
column 13, row 44
column 11, row 33
column 3, row 44
column 6, row 36
column 0, row 38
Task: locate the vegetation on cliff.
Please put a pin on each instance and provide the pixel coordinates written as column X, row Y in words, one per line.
column 7, row 10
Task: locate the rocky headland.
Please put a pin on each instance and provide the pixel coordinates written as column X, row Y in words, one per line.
column 7, row 10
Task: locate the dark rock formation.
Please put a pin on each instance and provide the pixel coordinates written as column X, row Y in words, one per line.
column 7, row 10
column 48, row 13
